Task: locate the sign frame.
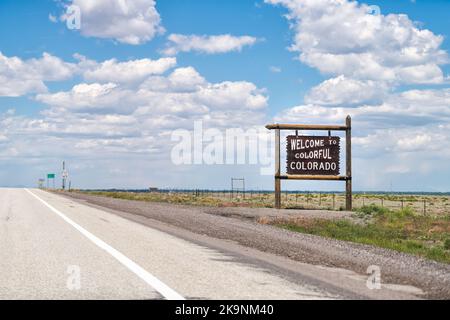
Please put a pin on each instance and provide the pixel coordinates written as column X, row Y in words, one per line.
column 348, row 174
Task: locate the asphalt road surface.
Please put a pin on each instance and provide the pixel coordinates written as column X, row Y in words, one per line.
column 52, row 247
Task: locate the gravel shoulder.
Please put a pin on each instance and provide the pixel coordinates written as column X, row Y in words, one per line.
column 240, row 226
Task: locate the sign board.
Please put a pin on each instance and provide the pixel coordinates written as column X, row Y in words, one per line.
column 308, row 155
column 314, row 158
column 51, row 176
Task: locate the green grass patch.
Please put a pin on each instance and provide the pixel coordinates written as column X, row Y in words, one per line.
column 447, row 244
column 401, row 230
column 371, row 210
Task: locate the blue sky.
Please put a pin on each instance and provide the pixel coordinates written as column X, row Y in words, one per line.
column 34, row 33
column 38, row 34
column 278, row 75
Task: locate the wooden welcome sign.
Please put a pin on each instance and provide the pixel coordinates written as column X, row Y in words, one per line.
column 313, row 157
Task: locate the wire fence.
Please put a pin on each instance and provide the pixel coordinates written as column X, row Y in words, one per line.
column 425, row 204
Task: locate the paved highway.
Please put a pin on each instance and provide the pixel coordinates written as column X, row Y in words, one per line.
column 52, row 247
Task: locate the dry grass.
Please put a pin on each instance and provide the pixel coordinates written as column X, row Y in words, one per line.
column 428, row 205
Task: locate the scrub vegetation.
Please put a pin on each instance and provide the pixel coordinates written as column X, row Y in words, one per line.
column 402, row 230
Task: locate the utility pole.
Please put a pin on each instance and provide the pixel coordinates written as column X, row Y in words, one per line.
column 65, row 175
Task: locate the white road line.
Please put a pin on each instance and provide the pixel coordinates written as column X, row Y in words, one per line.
column 154, row 282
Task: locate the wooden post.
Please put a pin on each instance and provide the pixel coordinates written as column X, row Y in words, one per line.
column 348, row 187
column 277, row 170
column 334, row 201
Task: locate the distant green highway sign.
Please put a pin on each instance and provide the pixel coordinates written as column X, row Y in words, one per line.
column 51, row 176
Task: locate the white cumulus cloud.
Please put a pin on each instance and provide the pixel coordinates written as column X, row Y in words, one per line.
column 207, row 44
column 108, row 125
column 19, row 77
column 368, row 57
column 344, row 91
column 127, row 21
column 129, row 71
column 341, row 37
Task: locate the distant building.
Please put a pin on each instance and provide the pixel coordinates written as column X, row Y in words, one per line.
column 153, row 189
